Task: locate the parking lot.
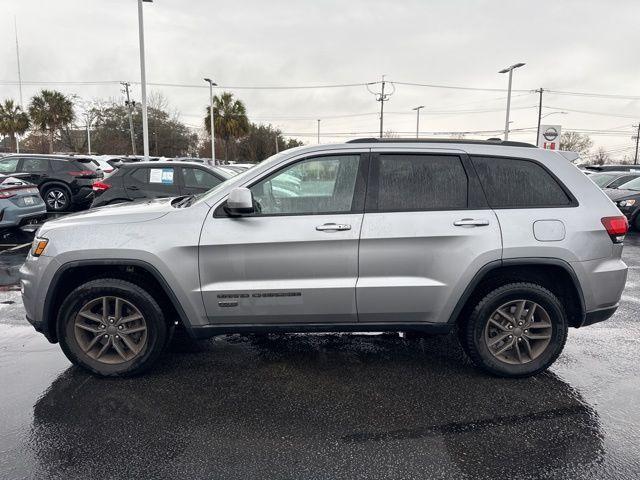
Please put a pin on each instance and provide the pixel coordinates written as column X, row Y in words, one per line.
column 320, row 406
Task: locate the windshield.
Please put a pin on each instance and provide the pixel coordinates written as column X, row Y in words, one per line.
column 631, row 185
column 602, row 179
column 239, row 178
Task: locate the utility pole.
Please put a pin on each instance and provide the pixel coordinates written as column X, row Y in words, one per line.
column 539, row 116
column 130, row 106
column 635, row 160
column 382, row 97
column 318, row 130
column 15, row 25
column 417, row 109
column 277, row 149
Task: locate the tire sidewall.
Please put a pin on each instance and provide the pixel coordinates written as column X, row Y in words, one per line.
column 501, row 296
column 156, row 326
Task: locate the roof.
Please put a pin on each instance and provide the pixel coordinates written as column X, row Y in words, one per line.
column 490, row 141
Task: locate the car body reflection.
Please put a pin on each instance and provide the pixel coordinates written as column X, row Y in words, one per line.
column 348, row 406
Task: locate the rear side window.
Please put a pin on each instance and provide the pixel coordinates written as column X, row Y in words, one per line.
column 35, row 165
column 515, row 183
column 140, row 175
column 418, row 182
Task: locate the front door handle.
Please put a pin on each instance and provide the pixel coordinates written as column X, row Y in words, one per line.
column 333, row 227
column 471, row 222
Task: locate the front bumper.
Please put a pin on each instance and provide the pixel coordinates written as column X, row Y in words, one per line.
column 35, row 277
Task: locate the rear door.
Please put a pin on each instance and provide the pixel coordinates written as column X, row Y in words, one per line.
column 426, row 231
column 34, row 169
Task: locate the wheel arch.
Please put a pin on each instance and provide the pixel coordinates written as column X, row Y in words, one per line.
column 554, row 274
column 72, row 274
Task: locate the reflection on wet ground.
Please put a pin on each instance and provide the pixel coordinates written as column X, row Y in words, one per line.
column 324, row 406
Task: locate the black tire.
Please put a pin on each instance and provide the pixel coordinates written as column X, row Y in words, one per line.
column 156, row 335
column 472, row 330
column 57, row 198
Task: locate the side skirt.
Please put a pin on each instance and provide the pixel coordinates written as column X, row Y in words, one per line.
column 207, row 331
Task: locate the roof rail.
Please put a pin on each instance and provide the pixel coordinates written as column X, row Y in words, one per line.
column 491, row 141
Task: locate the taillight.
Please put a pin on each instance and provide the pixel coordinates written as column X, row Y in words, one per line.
column 617, row 227
column 83, row 173
column 100, row 186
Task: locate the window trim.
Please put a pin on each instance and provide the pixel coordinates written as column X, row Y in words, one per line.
column 359, row 191
column 573, row 201
column 371, row 205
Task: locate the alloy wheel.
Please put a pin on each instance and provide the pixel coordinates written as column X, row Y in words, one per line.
column 56, row 199
column 110, row 330
column 518, row 332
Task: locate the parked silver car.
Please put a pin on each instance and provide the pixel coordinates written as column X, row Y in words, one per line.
column 20, row 202
column 507, row 244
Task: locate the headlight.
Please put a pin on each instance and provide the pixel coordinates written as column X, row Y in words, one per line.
column 39, row 244
column 626, row 203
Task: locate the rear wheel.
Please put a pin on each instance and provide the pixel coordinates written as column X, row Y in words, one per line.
column 112, row 327
column 517, row 330
column 57, row 198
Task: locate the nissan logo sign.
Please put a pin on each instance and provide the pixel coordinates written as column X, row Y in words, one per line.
column 550, row 134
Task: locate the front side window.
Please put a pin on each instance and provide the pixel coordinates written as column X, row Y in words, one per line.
column 515, row 183
column 413, row 182
column 197, row 178
column 312, row 186
column 9, row 165
column 622, row 180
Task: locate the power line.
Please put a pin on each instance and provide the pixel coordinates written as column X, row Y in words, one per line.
column 590, row 112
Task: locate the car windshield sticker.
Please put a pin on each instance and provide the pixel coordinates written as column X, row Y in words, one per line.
column 161, row 175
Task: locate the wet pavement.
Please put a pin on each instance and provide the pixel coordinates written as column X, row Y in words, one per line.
column 323, row 406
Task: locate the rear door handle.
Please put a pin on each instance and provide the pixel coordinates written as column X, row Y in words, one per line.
column 132, row 187
column 333, row 227
column 471, row 222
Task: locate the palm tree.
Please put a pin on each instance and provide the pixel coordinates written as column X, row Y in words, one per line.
column 229, row 117
column 50, row 111
column 13, row 121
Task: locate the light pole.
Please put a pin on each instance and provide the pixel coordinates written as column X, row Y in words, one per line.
column 89, row 120
column 509, row 70
column 143, row 81
column 213, row 136
column 417, row 109
column 318, row 130
column 553, row 113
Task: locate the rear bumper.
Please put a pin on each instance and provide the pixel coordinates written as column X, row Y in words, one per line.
column 84, row 194
column 596, row 316
column 14, row 216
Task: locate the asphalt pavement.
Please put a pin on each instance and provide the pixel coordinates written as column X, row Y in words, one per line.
column 321, row 406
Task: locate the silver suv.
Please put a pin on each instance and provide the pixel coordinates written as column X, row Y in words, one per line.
column 507, row 244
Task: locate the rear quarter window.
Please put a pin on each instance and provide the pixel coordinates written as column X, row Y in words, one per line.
column 518, row 183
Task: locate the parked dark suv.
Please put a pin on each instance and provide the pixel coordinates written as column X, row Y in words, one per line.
column 63, row 181
column 140, row 180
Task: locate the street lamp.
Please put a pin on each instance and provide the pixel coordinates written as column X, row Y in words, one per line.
column 143, row 81
column 417, row 109
column 213, row 136
column 510, row 71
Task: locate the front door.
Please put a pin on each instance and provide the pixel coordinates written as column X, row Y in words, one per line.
column 295, row 260
column 426, row 231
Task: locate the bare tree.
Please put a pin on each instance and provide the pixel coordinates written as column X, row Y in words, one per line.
column 600, row 157
column 575, row 142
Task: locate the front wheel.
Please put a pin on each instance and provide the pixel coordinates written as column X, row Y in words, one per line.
column 111, row 327
column 517, row 330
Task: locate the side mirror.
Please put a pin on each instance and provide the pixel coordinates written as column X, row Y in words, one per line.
column 240, row 202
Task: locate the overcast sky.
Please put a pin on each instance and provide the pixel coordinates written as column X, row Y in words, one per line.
column 577, row 46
